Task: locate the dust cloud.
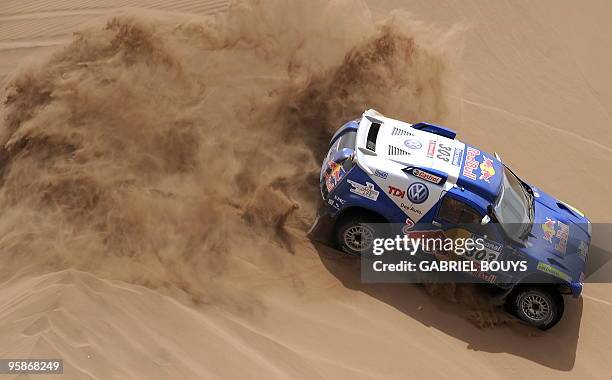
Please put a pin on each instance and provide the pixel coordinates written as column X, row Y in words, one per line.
column 182, row 153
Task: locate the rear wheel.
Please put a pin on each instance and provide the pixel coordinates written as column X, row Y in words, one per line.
column 355, row 234
column 540, row 306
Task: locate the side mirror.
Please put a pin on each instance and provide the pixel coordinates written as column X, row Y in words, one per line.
column 485, row 220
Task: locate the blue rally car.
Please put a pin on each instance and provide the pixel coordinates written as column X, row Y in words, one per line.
column 381, row 170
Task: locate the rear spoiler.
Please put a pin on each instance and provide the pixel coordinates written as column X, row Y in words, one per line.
column 436, row 129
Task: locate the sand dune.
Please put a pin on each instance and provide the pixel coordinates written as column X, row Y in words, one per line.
column 108, row 330
column 159, row 175
column 28, row 28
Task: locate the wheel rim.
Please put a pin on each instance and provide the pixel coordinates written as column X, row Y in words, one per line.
column 536, row 307
column 358, row 238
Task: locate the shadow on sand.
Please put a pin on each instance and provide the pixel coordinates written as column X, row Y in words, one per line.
column 555, row 348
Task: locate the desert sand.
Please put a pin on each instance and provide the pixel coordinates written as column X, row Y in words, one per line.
column 159, row 166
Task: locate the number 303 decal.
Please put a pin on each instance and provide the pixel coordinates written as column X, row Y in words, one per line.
column 444, row 152
column 482, row 255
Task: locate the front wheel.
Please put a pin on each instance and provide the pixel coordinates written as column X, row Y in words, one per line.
column 539, row 306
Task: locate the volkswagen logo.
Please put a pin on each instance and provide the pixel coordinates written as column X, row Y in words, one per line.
column 413, row 144
column 418, row 192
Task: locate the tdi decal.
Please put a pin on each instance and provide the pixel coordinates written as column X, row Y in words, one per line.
column 396, row 192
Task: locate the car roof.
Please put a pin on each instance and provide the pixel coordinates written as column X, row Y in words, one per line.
column 430, row 148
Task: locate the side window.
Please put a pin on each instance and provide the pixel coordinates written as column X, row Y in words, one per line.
column 457, row 212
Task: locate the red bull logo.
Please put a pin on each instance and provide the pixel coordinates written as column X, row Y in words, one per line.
column 334, row 175
column 471, row 163
column 335, row 172
column 557, row 230
column 549, row 229
column 486, row 169
column 563, row 235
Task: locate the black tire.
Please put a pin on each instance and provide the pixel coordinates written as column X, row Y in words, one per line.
column 354, row 234
column 540, row 306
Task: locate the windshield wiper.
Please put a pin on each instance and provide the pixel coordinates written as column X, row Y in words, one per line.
column 531, row 210
column 531, row 198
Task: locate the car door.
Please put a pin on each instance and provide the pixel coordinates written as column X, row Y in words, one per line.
column 460, row 220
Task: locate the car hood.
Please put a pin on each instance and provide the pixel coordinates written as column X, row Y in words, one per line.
column 549, row 206
column 559, row 236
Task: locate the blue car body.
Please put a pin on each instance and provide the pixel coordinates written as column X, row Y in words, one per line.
column 404, row 172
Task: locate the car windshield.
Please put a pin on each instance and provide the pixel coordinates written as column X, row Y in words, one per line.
column 514, row 207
